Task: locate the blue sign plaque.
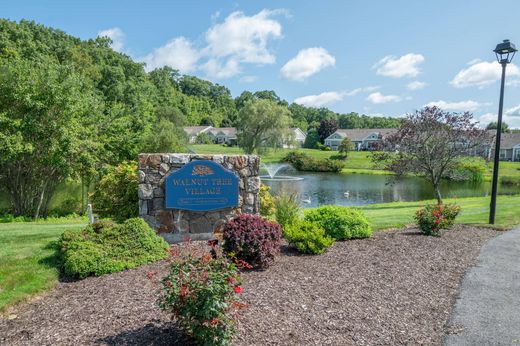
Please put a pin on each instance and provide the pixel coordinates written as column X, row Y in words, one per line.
column 201, row 186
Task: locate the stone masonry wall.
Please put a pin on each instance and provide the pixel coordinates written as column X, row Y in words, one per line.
column 175, row 225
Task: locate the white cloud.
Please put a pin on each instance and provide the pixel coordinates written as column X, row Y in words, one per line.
column 482, row 73
column 512, row 121
column 248, row 79
column 218, row 69
column 356, row 91
column 237, row 40
column 329, row 97
column 319, row 100
column 404, row 66
column 244, row 37
column 378, row 98
column 307, row 62
column 116, row 35
column 513, row 111
column 468, row 105
column 178, row 53
column 416, row 85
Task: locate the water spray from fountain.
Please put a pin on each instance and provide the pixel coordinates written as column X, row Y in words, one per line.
column 272, row 172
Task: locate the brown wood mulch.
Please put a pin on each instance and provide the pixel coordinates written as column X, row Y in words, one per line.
column 396, row 288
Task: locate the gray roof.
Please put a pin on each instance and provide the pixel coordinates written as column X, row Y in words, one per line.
column 509, row 140
column 357, row 135
column 227, row 131
column 195, row 130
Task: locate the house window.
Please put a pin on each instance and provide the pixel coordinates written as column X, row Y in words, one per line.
column 502, row 153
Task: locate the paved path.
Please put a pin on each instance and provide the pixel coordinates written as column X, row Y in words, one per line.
column 488, row 307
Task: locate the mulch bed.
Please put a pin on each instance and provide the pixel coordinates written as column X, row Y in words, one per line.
column 397, row 287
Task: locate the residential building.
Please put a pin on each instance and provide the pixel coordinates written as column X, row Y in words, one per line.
column 223, row 135
column 363, row 139
column 194, row 131
column 228, row 135
column 296, row 138
column 509, row 147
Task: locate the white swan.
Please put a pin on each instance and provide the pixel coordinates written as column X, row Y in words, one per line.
column 307, row 200
column 346, row 194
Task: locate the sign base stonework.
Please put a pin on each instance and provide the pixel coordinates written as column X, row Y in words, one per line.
column 176, row 225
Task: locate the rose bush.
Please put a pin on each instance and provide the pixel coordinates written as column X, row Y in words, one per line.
column 200, row 290
column 434, row 217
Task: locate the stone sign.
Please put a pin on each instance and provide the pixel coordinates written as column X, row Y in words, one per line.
column 198, row 213
column 201, row 186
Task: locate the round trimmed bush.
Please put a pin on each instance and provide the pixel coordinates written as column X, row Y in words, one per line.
column 339, row 222
column 252, row 239
column 307, row 237
column 106, row 247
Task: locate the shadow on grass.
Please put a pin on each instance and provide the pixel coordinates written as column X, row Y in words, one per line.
column 150, row 334
column 54, row 261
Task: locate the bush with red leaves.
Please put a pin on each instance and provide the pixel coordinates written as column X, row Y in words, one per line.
column 252, row 239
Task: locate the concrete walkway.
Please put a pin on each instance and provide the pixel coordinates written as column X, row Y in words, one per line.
column 488, row 307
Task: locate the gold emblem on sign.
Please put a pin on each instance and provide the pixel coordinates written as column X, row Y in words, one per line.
column 201, row 170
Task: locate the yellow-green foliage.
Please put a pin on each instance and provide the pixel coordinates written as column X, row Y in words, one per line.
column 340, row 222
column 307, row 237
column 116, row 193
column 104, row 248
column 267, row 208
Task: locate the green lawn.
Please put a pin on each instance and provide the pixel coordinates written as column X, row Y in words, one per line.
column 27, row 261
column 475, row 210
column 357, row 162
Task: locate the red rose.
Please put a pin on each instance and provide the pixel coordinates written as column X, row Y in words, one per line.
column 238, row 289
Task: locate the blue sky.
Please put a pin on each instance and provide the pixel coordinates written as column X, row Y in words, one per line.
column 378, row 57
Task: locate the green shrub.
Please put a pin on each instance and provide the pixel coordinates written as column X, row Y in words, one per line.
column 200, row 291
column 287, row 209
column 116, row 193
column 307, row 237
column 340, row 222
column 509, row 180
column 434, row 217
column 267, row 208
column 469, row 169
column 304, row 162
column 203, row 138
column 103, row 248
column 68, row 206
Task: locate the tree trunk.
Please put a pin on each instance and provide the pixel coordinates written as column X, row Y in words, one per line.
column 437, row 190
column 40, row 202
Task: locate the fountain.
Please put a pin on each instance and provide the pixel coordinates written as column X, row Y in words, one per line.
column 272, row 171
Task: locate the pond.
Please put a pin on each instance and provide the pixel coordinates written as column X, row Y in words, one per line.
column 317, row 189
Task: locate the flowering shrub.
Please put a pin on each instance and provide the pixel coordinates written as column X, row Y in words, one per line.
column 307, row 237
column 340, row 222
column 266, row 201
column 252, row 239
column 434, row 217
column 201, row 290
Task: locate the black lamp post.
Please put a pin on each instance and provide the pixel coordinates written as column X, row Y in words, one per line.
column 505, row 52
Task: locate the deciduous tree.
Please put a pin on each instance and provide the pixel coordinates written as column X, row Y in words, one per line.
column 262, row 124
column 429, row 143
